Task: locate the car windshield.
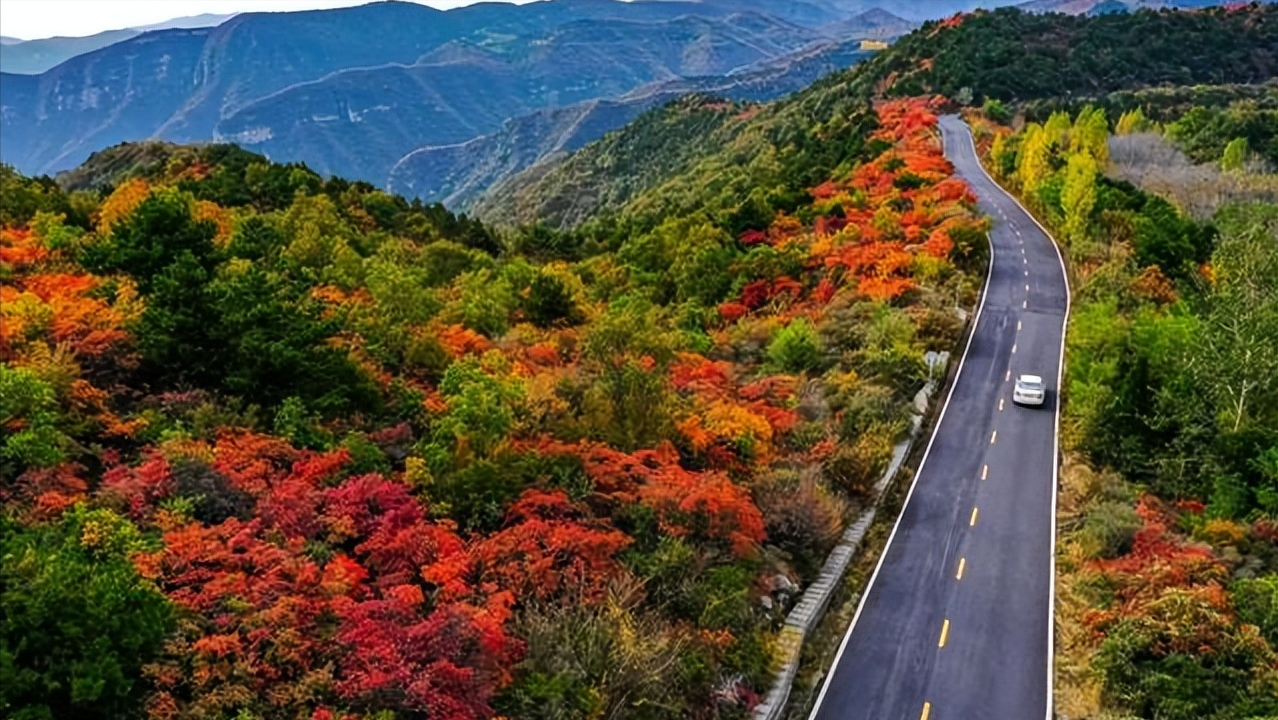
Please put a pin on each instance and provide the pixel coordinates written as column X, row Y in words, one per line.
column 1030, row 384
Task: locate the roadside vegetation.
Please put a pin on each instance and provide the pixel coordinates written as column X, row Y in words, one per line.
column 1169, row 557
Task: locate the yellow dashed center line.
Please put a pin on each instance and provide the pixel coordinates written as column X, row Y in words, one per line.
column 972, row 522
column 945, row 633
column 962, row 566
column 927, row 711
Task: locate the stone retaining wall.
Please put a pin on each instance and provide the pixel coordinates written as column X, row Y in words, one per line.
column 807, row 613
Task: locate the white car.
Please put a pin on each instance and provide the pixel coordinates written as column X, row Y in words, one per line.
column 1029, row 390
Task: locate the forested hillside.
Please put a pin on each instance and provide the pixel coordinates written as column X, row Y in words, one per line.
column 1202, row 120
column 733, row 161
column 1169, row 555
column 1011, row 55
column 288, row 447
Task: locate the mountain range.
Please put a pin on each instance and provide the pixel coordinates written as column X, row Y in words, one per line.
column 440, row 104
column 352, row 91
column 32, row 57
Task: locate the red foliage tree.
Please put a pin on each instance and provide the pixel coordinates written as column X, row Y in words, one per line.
column 549, row 550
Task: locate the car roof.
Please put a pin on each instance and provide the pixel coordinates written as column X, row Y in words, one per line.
column 1029, row 379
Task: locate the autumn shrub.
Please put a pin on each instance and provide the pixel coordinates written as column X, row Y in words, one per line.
column 596, row 661
column 801, row 517
column 1108, row 530
column 212, row 496
column 855, row 465
column 1256, row 602
column 1220, row 532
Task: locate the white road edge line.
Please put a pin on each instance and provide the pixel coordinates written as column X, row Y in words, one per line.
column 1056, row 448
column 825, row 685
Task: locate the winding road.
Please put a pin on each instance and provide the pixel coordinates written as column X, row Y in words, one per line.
column 956, row 621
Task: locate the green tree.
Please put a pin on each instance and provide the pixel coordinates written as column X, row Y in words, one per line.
column 480, row 411
column 631, row 326
column 29, row 416
column 1236, row 366
column 549, row 302
column 486, row 302
column 1057, row 129
column 159, row 233
column 796, row 347
column 997, row 110
column 1256, row 600
column 78, row 622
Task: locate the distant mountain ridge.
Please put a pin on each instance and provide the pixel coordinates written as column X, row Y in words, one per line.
column 32, row 57
column 279, row 80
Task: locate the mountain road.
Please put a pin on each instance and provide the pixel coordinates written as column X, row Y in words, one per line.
column 956, row 623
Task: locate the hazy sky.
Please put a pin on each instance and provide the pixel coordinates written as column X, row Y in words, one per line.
column 31, row 19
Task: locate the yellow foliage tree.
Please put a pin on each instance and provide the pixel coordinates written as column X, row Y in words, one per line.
column 1078, row 195
column 1033, row 163
column 1057, row 128
column 1132, row 121
column 1091, row 135
column 126, row 197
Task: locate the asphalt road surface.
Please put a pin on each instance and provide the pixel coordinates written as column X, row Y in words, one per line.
column 956, row 623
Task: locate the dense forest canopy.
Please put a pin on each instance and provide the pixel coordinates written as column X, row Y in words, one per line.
column 328, row 453
column 1011, row 55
